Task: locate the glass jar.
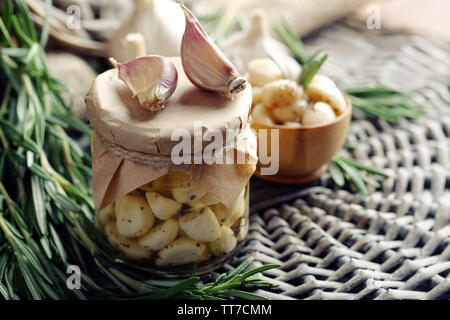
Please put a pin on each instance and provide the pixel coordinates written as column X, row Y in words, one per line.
column 158, row 208
column 172, row 222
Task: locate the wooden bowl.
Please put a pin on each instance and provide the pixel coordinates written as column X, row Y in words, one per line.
column 304, row 153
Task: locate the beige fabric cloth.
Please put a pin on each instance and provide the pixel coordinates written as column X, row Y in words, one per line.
column 304, row 16
column 77, row 74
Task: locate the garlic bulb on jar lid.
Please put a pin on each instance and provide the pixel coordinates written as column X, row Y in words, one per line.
column 255, row 43
column 161, row 23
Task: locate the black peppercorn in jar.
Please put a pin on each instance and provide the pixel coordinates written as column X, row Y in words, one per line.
column 171, row 187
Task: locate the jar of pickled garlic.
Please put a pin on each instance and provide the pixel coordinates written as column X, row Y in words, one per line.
column 159, row 199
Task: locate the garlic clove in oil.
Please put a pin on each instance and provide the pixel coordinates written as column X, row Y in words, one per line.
column 152, row 79
column 204, row 63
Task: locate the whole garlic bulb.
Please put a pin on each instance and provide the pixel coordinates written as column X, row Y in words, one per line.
column 133, row 46
column 256, row 42
column 161, row 22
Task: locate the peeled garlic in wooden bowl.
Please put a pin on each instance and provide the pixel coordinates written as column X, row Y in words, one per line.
column 282, row 102
column 310, row 126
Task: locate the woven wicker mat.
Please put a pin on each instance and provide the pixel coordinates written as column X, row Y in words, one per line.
column 394, row 243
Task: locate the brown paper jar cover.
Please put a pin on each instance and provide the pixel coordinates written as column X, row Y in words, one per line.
column 117, row 116
column 119, row 121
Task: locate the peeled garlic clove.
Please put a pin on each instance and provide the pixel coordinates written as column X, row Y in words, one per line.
column 181, row 233
column 284, row 114
column 161, row 185
column 222, row 212
column 160, row 236
column 204, row 63
column 184, row 189
column 200, row 224
column 133, row 216
column 105, row 216
column 146, row 187
column 237, row 213
column 256, row 95
column 292, row 125
column 322, row 88
column 129, row 247
column 163, row 208
column 225, row 244
column 300, row 106
column 228, row 215
column 280, row 93
column 318, row 113
column 243, row 229
column 261, row 115
column 152, row 79
column 209, row 199
column 263, row 71
column 181, row 251
column 196, row 204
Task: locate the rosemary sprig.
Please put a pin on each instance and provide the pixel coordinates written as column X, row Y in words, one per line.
column 309, row 70
column 310, row 63
column 342, row 169
column 46, row 207
column 222, row 23
column 385, row 103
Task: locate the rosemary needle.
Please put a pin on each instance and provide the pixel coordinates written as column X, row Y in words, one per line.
column 385, row 103
column 310, row 63
column 341, row 169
